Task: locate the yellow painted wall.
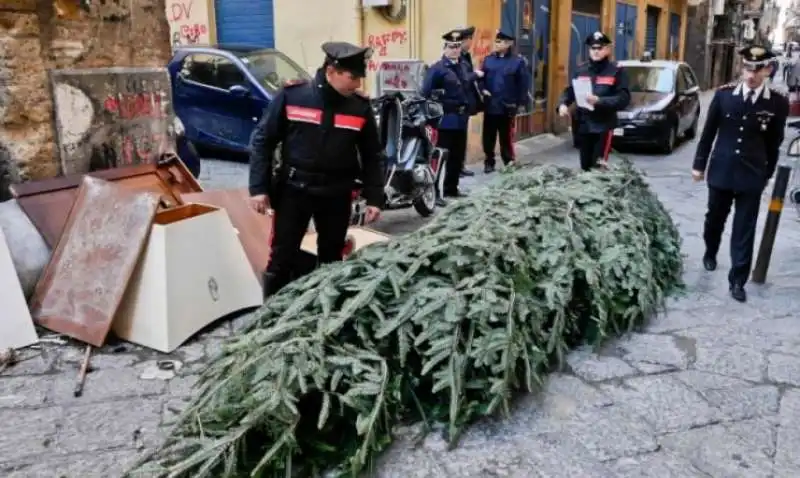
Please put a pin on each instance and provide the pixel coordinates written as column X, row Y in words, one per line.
column 302, row 26
column 667, row 8
column 191, row 23
column 560, row 36
column 484, row 15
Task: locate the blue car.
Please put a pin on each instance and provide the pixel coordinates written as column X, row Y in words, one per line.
column 220, row 92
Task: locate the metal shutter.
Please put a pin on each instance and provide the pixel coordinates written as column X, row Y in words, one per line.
column 250, row 22
column 651, row 37
column 674, row 35
column 625, row 34
column 583, row 25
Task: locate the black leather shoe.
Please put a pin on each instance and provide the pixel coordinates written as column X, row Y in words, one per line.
column 709, row 263
column 738, row 293
column 440, row 202
column 488, row 169
column 466, row 173
column 455, row 194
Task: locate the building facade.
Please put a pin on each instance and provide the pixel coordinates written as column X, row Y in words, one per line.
column 550, row 34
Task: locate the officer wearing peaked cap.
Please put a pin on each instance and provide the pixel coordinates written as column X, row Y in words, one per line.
column 505, row 87
column 455, row 79
column 747, row 119
column 328, row 140
column 609, row 95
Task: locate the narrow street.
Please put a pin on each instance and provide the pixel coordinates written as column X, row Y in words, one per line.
column 711, row 388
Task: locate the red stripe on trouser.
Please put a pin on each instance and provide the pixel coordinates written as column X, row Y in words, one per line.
column 512, row 132
column 271, row 238
column 607, row 147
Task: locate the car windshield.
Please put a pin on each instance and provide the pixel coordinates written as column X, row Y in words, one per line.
column 272, row 69
column 650, row 79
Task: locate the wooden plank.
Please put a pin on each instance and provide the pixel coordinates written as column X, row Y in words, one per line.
column 254, row 229
column 47, row 203
column 83, row 285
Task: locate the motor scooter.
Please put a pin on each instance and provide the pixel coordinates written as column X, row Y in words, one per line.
column 407, row 124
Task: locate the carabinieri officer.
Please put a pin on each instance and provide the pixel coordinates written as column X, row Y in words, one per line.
column 609, row 95
column 505, row 87
column 455, row 78
column 747, row 119
column 328, row 139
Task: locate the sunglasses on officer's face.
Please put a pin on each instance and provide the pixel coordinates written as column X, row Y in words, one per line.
column 596, row 47
column 452, row 46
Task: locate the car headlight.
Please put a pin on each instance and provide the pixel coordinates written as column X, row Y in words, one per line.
column 652, row 116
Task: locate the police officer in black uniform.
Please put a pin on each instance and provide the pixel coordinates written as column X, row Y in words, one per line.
column 328, row 139
column 747, row 119
column 610, row 94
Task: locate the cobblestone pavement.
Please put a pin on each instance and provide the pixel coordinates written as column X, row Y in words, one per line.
column 710, row 389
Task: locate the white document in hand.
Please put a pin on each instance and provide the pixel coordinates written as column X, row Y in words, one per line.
column 582, row 87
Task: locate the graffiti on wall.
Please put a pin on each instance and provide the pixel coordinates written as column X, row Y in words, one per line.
column 189, row 22
column 389, row 44
column 482, row 44
column 111, row 117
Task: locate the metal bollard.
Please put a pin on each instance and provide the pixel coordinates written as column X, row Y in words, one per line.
column 759, row 275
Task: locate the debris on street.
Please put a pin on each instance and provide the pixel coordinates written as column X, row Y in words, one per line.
column 16, row 326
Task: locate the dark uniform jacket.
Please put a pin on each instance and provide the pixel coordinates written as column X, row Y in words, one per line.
column 508, row 80
column 477, row 100
column 610, row 84
column 748, row 138
column 322, row 134
column 457, row 80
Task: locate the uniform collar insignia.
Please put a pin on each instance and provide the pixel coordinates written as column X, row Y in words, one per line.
column 765, row 90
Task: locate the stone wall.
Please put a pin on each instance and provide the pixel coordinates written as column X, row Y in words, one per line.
column 39, row 35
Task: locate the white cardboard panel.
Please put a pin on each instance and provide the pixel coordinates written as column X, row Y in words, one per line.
column 362, row 236
column 192, row 273
column 16, row 324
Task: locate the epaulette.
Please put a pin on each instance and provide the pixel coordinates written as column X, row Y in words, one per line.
column 728, row 86
column 295, row 82
column 779, row 92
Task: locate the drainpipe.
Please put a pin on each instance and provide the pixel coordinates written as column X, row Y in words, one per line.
column 359, row 11
column 707, row 66
column 415, row 28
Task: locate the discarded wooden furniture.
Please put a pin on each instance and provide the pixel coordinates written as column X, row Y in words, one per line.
column 29, row 253
column 85, row 281
column 16, row 326
column 194, row 271
column 47, row 203
column 358, row 237
column 254, row 229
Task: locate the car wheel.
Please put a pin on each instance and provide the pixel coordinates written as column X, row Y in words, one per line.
column 668, row 143
column 692, row 131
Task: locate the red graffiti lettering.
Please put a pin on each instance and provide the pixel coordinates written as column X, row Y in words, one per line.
column 143, row 148
column 482, row 45
column 380, row 43
column 397, row 82
column 192, row 33
column 401, row 67
column 180, row 10
column 138, row 105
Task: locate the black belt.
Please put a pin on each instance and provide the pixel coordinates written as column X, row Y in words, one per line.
column 316, row 179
